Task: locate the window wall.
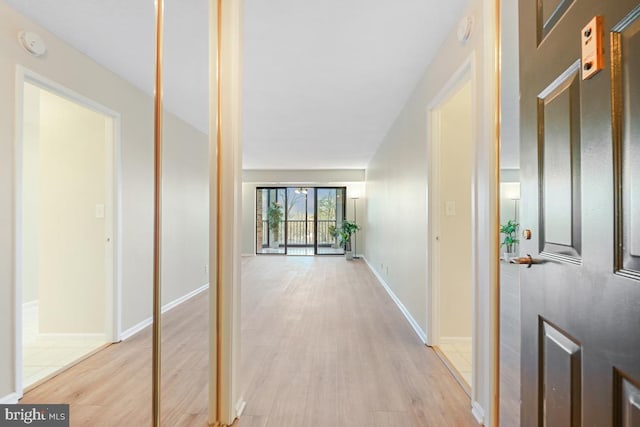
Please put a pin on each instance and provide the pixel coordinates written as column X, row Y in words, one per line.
column 299, row 220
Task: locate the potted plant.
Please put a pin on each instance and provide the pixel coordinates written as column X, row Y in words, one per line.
column 274, row 215
column 334, row 233
column 348, row 228
column 510, row 230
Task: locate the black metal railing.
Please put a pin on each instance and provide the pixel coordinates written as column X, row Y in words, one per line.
column 301, row 232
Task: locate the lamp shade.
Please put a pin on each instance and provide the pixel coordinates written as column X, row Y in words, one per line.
column 510, row 190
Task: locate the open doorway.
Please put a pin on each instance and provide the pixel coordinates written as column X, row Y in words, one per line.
column 451, row 214
column 66, row 294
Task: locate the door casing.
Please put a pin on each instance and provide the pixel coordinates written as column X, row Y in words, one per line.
column 112, row 216
column 466, row 73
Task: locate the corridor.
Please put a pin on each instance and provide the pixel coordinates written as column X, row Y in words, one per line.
column 322, row 345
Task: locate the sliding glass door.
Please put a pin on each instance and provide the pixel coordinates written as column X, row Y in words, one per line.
column 271, row 220
column 299, row 220
column 329, row 216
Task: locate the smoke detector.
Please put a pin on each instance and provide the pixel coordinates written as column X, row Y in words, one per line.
column 32, row 43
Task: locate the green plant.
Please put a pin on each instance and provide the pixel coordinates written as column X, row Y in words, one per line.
column 510, row 230
column 274, row 215
column 333, row 232
column 345, row 232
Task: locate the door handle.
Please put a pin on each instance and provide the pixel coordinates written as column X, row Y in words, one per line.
column 527, row 260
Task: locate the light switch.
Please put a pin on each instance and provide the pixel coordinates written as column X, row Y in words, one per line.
column 99, row 211
column 450, row 208
column 592, row 48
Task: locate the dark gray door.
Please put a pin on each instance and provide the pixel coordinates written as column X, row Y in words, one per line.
column 580, row 160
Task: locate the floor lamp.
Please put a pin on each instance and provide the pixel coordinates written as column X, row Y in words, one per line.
column 355, row 240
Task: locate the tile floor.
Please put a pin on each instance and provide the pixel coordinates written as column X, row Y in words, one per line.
column 459, row 354
column 46, row 355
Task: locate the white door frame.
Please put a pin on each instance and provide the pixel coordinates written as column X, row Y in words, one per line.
column 113, row 259
column 465, row 74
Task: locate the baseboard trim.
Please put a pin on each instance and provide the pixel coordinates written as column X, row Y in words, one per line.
column 9, row 399
column 421, row 334
column 240, row 405
column 171, row 305
column 478, row 412
column 176, row 302
column 135, row 329
column 30, row 304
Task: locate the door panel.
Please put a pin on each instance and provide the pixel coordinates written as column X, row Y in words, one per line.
column 549, row 13
column 627, row 402
column 559, row 144
column 560, row 377
column 580, row 157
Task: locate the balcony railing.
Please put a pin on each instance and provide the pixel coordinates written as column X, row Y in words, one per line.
column 301, row 232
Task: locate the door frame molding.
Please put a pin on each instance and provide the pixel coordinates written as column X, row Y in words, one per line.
column 113, row 229
column 466, row 73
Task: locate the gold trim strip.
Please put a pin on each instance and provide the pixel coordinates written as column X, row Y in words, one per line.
column 495, row 362
column 617, row 106
column 219, row 212
column 157, row 220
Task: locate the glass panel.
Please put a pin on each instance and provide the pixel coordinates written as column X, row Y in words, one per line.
column 185, row 216
column 270, row 220
column 330, row 214
column 300, row 223
column 81, row 223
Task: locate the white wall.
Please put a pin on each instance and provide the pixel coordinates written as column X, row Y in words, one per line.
column 397, row 184
column 185, row 209
column 72, row 247
column 70, row 68
column 510, row 87
column 455, row 229
column 353, row 179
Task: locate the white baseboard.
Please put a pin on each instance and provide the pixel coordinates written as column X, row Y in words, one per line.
column 173, row 304
column 455, row 340
column 9, row 399
column 30, row 305
column 176, row 302
column 403, row 309
column 240, row 405
column 478, row 412
column 126, row 334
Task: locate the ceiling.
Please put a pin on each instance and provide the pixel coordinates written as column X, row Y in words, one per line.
column 323, row 80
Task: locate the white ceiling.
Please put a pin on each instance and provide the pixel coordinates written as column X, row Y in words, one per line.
column 323, row 80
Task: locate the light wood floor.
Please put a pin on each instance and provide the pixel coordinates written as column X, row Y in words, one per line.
column 322, row 345
column 113, row 387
